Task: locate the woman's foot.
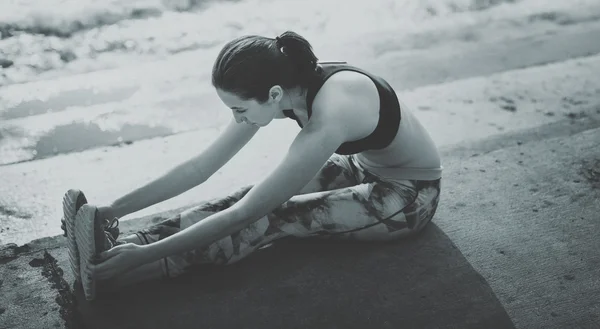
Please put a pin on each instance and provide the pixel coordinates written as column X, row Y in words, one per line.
column 73, row 200
column 93, row 236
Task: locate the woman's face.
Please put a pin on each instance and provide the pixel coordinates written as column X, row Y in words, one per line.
column 250, row 111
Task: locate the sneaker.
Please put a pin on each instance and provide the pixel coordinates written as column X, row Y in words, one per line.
column 73, row 200
column 93, row 236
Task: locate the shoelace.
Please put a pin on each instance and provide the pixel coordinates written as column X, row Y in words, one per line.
column 111, row 224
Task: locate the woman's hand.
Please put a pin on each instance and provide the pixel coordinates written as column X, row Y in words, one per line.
column 118, row 260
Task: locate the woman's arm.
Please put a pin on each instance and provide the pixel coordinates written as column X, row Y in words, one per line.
column 188, row 174
column 307, row 154
column 338, row 117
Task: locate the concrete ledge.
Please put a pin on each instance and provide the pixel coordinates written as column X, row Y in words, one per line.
column 294, row 284
column 35, row 292
column 520, row 220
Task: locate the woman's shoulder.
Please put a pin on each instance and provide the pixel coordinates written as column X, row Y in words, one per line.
column 347, row 88
column 349, row 98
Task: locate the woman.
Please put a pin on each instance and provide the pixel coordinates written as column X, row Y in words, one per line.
column 362, row 167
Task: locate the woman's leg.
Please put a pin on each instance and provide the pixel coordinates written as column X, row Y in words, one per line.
column 371, row 211
column 336, row 173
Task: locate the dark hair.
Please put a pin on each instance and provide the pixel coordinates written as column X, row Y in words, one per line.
column 250, row 65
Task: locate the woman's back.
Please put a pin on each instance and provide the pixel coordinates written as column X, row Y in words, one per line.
column 399, row 146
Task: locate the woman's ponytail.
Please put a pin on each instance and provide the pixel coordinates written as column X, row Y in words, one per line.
column 299, row 51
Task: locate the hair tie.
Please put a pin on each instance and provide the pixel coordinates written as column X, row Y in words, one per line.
column 279, row 45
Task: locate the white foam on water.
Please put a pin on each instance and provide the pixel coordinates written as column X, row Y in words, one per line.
column 108, row 34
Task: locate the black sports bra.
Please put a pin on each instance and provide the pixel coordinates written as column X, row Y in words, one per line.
column 389, row 109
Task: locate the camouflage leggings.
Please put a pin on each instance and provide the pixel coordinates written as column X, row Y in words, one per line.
column 342, row 201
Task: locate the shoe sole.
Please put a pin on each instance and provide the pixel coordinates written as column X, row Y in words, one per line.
column 86, row 243
column 72, row 201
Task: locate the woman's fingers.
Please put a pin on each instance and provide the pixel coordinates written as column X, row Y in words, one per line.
column 114, row 261
column 104, row 262
column 114, row 251
column 110, row 253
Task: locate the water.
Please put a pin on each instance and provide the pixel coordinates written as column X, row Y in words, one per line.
column 50, row 38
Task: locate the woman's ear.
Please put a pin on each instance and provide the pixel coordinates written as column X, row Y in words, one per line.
column 275, row 93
